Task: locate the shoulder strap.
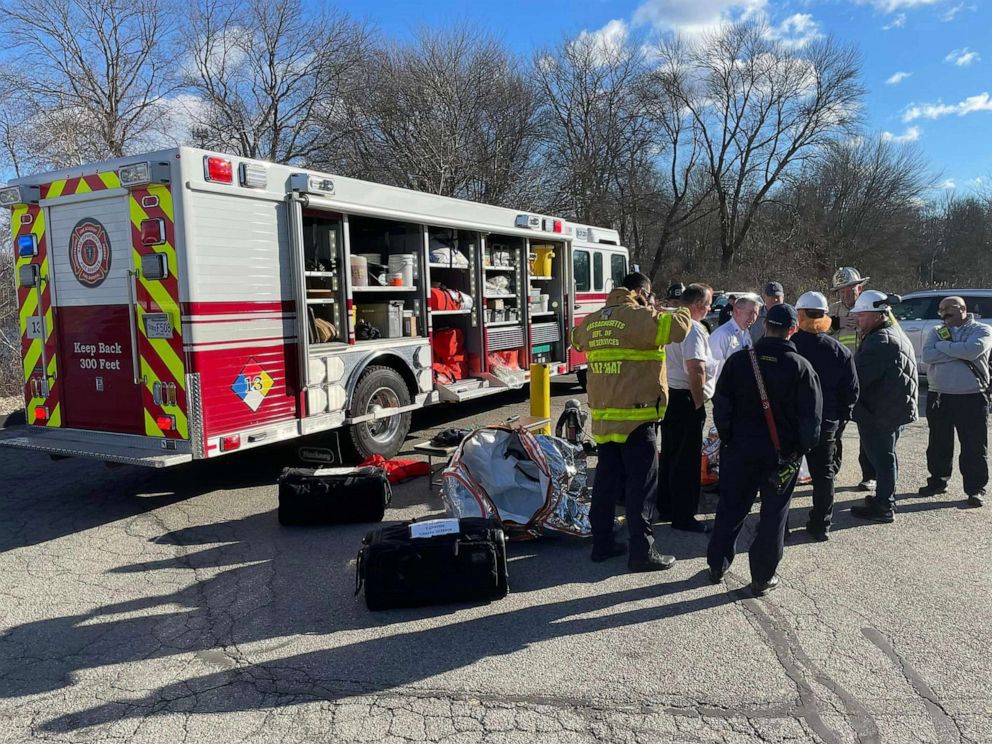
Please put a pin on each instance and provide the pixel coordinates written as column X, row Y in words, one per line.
column 766, row 404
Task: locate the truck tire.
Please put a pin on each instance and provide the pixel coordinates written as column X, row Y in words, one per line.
column 581, row 376
column 379, row 387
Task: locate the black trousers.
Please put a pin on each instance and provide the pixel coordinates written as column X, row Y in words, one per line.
column 965, row 414
column 629, row 469
column 681, row 450
column 867, row 469
column 822, row 467
column 742, row 475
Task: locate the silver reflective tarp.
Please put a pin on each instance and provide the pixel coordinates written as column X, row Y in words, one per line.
column 529, row 483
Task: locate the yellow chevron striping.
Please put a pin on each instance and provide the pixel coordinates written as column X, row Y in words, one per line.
column 55, row 190
column 82, row 187
column 27, row 310
column 165, row 352
column 164, row 199
column 31, row 358
column 55, row 417
column 110, row 179
column 151, row 428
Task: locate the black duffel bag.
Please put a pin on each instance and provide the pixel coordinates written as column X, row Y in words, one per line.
column 332, row 495
column 438, row 561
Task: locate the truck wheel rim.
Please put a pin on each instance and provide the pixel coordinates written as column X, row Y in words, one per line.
column 382, row 431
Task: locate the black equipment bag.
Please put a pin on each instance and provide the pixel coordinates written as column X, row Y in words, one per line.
column 454, row 560
column 332, row 495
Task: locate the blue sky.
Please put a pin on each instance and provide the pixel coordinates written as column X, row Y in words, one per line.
column 927, row 63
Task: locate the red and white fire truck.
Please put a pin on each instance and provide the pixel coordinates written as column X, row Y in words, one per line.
column 185, row 304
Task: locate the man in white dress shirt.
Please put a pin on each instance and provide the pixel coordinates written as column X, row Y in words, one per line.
column 733, row 335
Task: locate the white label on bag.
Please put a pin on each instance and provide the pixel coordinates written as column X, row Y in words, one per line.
column 335, row 471
column 434, row 527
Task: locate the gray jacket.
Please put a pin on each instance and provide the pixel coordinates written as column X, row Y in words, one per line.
column 887, row 375
column 945, row 360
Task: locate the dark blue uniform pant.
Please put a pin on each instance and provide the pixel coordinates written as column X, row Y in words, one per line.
column 821, row 462
column 742, row 475
column 965, row 414
column 629, row 470
column 681, row 447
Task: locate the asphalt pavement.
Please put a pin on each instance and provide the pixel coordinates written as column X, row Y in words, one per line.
column 170, row 606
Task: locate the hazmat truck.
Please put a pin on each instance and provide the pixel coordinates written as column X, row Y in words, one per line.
column 186, row 304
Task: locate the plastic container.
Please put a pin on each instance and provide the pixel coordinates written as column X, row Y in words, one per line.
column 535, row 295
column 541, row 306
column 542, row 264
column 396, row 280
column 409, row 323
column 403, row 264
column 359, row 271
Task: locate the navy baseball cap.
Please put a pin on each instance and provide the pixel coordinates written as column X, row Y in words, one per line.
column 773, row 288
column 782, row 316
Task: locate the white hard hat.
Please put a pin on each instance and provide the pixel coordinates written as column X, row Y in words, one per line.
column 812, row 301
column 872, row 301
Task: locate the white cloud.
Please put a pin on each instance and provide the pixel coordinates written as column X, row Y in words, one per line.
column 910, row 135
column 962, row 57
column 970, row 105
column 947, row 185
column 898, row 22
column 607, row 41
column 890, row 6
column 951, row 13
column 897, row 78
column 796, row 31
column 692, row 17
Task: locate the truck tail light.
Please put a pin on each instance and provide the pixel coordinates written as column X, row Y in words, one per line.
column 152, row 232
column 217, row 169
column 165, row 423
column 230, row 442
column 40, row 413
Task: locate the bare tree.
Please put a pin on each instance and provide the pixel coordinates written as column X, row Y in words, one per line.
column 685, row 196
column 592, row 119
column 268, row 77
column 760, row 108
column 89, row 76
column 449, row 114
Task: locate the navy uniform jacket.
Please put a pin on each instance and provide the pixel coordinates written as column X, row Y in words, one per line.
column 834, row 365
column 794, row 392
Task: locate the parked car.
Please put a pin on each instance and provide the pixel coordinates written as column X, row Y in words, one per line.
column 917, row 313
column 720, row 299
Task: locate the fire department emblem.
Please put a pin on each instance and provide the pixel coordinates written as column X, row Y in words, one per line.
column 89, row 252
column 252, row 385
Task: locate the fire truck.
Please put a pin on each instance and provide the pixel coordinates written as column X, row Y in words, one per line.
column 186, row 304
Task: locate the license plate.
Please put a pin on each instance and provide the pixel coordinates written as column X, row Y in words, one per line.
column 158, row 325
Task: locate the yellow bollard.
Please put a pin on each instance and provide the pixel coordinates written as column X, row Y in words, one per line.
column 540, row 394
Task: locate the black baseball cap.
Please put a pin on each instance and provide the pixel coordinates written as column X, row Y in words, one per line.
column 773, row 288
column 675, row 291
column 782, row 316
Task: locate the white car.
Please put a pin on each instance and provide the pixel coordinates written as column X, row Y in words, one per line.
column 917, row 313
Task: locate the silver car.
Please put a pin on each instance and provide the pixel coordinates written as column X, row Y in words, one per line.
column 917, row 313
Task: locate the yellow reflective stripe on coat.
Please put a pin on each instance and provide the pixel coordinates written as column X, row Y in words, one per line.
column 652, row 413
column 626, row 355
column 664, row 329
column 610, row 438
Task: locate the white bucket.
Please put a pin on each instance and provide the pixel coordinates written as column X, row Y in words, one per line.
column 359, row 271
column 403, row 263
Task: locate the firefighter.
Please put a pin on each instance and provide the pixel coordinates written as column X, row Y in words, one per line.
column 834, row 366
column 849, row 284
column 757, row 454
column 628, row 393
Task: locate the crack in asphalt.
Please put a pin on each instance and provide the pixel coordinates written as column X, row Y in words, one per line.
column 944, row 724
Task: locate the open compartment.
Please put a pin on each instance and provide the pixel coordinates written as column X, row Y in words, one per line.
column 545, row 302
column 323, row 255
column 505, row 338
column 387, row 279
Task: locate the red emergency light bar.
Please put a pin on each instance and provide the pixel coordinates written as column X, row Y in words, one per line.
column 217, row 169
